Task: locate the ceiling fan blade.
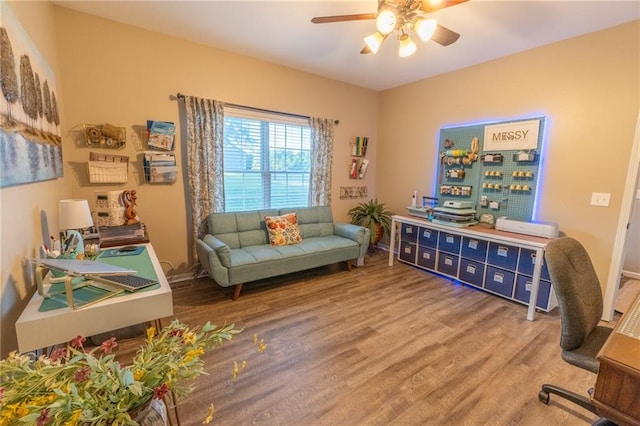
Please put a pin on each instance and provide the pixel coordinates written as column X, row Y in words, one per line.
column 431, row 6
column 342, row 18
column 444, row 36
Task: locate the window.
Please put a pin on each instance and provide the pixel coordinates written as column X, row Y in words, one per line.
column 267, row 160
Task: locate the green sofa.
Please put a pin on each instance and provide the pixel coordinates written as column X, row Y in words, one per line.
column 236, row 248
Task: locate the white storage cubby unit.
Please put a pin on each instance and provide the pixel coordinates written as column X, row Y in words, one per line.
column 506, row 264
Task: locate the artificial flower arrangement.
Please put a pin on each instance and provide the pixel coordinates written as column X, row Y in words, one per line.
column 73, row 386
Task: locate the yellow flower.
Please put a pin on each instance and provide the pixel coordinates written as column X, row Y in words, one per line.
column 45, row 399
column 237, row 368
column 18, row 410
column 6, row 415
column 209, row 417
column 75, row 418
column 151, row 331
column 193, row 353
column 139, row 374
column 190, row 337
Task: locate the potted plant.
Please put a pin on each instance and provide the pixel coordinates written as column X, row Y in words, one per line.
column 374, row 216
column 75, row 386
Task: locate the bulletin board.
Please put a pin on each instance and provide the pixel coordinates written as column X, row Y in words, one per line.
column 495, row 166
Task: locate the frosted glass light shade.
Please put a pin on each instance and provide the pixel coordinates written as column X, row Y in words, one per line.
column 425, row 28
column 74, row 214
column 374, row 41
column 407, row 46
column 386, row 21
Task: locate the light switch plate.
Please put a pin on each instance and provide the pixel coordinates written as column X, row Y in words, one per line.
column 600, row 199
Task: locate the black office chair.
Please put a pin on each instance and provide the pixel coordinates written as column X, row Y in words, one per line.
column 579, row 297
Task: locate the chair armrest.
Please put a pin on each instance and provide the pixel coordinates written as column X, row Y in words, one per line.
column 357, row 233
column 209, row 250
column 221, row 249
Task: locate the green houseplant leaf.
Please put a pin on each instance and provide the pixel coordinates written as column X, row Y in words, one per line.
column 374, row 216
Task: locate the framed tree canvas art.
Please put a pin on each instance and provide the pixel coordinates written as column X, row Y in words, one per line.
column 30, row 140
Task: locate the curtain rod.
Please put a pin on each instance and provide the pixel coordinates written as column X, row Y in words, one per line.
column 181, row 96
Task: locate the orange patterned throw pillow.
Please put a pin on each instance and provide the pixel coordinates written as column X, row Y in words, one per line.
column 283, row 230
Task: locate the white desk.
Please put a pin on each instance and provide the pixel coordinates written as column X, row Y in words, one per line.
column 536, row 244
column 37, row 330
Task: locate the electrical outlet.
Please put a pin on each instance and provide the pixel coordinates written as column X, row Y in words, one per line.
column 600, row 199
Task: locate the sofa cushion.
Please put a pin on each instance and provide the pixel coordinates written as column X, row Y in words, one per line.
column 313, row 221
column 240, row 229
column 283, row 230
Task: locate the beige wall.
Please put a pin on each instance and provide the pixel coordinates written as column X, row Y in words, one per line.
column 125, row 75
column 587, row 87
column 29, row 212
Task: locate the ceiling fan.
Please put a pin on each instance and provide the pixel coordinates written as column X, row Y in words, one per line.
column 402, row 15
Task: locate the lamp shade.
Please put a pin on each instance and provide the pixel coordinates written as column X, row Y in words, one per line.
column 407, row 46
column 386, row 20
column 425, row 28
column 374, row 41
column 74, row 214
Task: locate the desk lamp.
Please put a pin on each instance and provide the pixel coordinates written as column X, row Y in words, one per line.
column 74, row 216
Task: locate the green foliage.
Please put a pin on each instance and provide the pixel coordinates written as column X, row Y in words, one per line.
column 73, row 386
column 371, row 215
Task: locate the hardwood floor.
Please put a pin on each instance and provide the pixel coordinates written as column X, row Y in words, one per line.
column 378, row 345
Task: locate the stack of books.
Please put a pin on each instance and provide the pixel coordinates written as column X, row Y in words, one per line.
column 111, row 236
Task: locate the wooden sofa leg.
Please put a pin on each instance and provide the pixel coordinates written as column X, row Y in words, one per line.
column 349, row 265
column 236, row 291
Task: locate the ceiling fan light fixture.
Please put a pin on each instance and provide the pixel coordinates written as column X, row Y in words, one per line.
column 434, row 3
column 374, row 41
column 425, row 28
column 407, row 46
column 386, row 20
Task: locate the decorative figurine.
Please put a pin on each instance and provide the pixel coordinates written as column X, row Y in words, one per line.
column 129, row 201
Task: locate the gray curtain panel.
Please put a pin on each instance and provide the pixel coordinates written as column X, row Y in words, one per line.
column 321, row 161
column 205, row 124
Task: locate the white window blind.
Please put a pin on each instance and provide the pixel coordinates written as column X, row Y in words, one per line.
column 267, row 160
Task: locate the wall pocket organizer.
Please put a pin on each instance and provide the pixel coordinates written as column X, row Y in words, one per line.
column 105, row 135
column 160, row 167
column 106, row 168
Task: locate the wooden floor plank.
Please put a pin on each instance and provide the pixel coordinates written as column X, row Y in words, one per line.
column 378, row 345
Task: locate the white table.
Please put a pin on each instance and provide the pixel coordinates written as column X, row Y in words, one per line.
column 37, row 330
column 537, row 244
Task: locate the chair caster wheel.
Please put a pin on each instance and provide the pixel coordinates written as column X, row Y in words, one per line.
column 543, row 396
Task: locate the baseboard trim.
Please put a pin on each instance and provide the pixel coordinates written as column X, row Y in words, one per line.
column 179, row 278
column 631, row 274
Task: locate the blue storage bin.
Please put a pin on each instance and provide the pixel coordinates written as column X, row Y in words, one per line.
column 409, row 232
column 523, row 291
column 471, row 272
column 407, row 252
column 427, row 257
column 448, row 264
column 527, row 261
column 474, row 249
column 503, row 255
column 449, row 242
column 499, row 281
column 428, row 237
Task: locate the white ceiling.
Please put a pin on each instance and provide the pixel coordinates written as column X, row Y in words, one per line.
column 281, row 32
